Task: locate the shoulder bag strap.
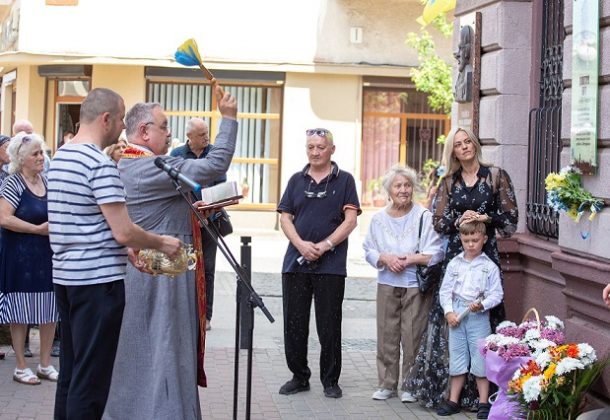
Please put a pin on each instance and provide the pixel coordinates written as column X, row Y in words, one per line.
column 421, row 222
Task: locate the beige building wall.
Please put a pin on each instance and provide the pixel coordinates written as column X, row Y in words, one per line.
column 313, row 31
column 319, row 100
column 127, row 81
column 30, row 97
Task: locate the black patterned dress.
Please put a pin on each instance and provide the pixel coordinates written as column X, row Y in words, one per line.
column 492, row 194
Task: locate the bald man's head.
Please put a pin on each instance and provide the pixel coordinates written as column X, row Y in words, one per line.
column 23, row 125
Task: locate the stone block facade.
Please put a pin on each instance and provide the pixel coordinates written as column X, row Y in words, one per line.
column 563, row 277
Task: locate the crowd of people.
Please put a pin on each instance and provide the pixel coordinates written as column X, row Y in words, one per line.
column 69, row 252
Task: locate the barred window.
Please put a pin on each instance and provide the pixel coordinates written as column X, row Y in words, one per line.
column 545, row 122
column 255, row 164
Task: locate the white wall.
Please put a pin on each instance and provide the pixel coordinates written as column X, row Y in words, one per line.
column 332, row 102
column 267, row 31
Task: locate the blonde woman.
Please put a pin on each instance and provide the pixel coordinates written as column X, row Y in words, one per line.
column 115, row 151
column 471, row 191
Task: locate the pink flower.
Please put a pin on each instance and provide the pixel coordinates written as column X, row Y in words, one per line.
column 555, row 336
column 514, row 350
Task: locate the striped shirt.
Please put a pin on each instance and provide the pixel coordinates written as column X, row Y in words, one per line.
column 82, row 178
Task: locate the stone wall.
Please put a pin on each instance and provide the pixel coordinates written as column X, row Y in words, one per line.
column 565, row 277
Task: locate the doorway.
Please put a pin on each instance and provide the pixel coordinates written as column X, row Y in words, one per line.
column 67, row 120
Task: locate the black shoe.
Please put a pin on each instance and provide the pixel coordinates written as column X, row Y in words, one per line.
column 293, row 386
column 55, row 350
column 483, row 411
column 447, row 408
column 333, row 391
column 27, row 352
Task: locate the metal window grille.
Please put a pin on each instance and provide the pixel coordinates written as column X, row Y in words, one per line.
column 256, row 161
column 545, row 122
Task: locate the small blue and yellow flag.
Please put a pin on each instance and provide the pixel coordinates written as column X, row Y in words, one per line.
column 187, row 54
column 433, row 9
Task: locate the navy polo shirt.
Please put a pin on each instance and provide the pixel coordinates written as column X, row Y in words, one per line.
column 315, row 219
column 186, row 153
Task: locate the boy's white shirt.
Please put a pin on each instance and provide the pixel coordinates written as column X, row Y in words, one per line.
column 467, row 280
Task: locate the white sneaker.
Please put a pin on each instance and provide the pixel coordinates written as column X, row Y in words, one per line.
column 383, row 394
column 407, row 397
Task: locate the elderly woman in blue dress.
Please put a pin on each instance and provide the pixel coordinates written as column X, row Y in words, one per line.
column 25, row 256
column 391, row 246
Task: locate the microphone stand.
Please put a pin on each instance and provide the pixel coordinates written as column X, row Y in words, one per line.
column 254, row 301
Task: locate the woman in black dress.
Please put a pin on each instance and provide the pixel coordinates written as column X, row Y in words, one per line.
column 471, row 189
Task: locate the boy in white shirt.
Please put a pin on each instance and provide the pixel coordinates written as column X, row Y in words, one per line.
column 470, row 288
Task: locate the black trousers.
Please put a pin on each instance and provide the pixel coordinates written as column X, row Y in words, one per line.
column 90, row 325
column 209, row 248
column 327, row 292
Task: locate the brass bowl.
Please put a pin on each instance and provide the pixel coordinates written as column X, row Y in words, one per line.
column 159, row 263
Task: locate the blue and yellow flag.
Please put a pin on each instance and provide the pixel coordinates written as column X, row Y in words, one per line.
column 433, row 9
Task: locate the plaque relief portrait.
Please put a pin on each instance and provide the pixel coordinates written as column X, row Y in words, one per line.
column 463, row 84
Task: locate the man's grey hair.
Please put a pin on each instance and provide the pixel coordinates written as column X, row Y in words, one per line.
column 97, row 102
column 190, row 124
column 395, row 170
column 142, row 112
column 23, row 125
column 20, row 147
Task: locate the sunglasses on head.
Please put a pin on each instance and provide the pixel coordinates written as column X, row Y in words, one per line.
column 24, row 140
column 322, row 132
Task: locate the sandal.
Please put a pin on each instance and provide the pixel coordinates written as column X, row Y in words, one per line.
column 483, row 411
column 447, row 408
column 25, row 376
column 49, row 373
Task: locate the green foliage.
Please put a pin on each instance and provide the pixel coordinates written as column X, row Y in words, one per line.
column 442, row 25
column 433, row 75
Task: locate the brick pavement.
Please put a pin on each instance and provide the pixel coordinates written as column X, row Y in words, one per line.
column 358, row 378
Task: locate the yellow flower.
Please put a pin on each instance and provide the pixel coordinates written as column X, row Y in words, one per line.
column 550, row 371
column 573, row 213
column 554, row 181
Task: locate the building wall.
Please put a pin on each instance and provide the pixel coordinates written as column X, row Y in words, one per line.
column 30, row 97
column 314, row 100
column 563, row 277
column 240, row 31
column 128, row 81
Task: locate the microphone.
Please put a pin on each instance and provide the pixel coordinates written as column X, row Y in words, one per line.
column 176, row 175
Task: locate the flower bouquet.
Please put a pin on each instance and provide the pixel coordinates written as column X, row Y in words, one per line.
column 552, row 385
column 565, row 193
column 511, row 347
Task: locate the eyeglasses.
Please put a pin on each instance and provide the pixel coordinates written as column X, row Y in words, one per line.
column 322, row 132
column 319, row 194
column 164, row 128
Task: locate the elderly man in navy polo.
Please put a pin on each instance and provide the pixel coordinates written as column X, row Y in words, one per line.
column 318, row 212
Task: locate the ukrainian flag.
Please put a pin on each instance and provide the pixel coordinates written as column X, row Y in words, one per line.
column 434, row 8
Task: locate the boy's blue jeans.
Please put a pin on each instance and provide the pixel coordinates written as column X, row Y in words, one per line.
column 463, row 348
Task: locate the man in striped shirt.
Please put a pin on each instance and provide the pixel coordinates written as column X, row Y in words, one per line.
column 89, row 229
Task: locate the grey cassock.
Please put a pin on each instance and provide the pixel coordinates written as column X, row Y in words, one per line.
column 155, row 371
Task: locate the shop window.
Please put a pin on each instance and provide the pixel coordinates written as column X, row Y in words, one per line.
column 255, row 164
column 397, row 127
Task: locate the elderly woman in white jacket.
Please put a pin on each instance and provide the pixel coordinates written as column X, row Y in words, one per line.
column 391, row 246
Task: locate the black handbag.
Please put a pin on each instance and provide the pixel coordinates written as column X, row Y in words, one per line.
column 428, row 276
column 223, row 223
